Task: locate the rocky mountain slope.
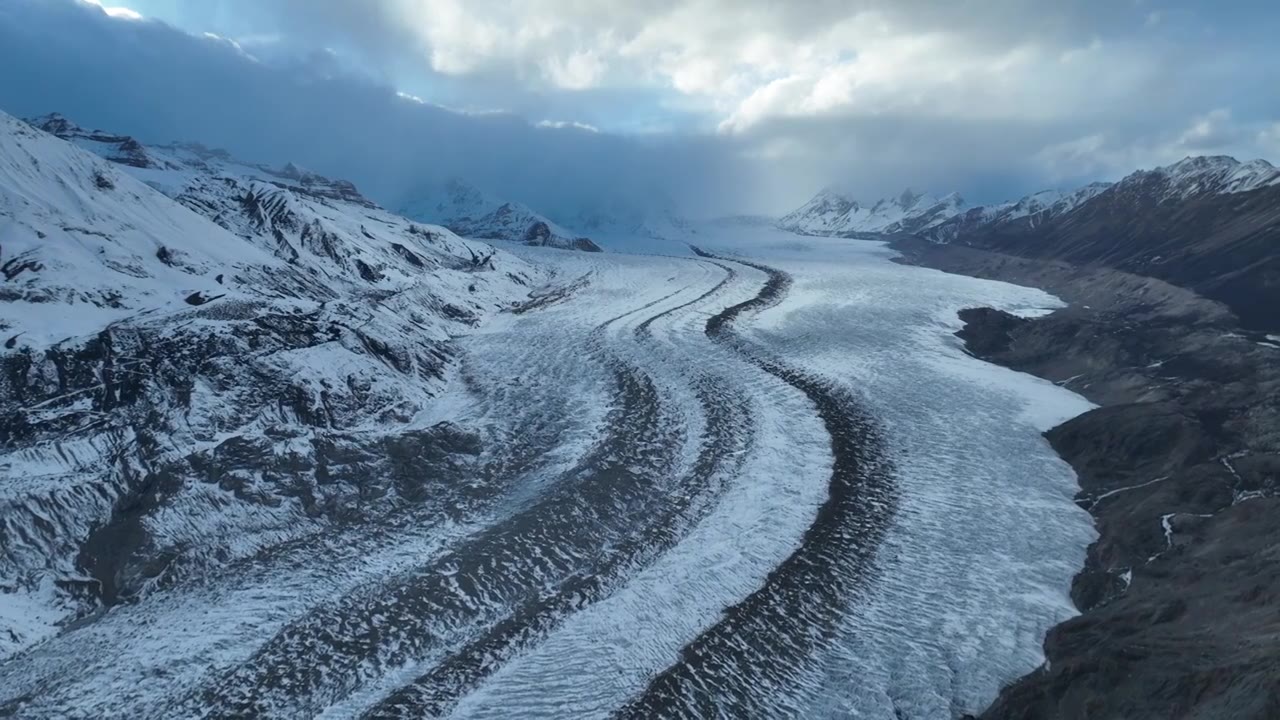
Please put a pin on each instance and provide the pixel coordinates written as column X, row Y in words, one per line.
column 466, row 210
column 204, row 359
column 1209, row 224
column 1028, row 212
column 835, row 212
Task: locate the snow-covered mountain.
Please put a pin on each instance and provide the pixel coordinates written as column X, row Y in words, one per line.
column 469, row 212
column 86, row 245
column 1183, row 180
column 835, row 212
column 203, row 358
column 1209, row 224
column 1209, row 174
column 612, row 221
column 322, row 226
column 1030, row 210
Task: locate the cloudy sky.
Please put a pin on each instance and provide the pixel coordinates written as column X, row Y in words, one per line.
column 725, row 105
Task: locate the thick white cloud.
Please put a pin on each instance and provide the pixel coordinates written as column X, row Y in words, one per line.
column 739, row 61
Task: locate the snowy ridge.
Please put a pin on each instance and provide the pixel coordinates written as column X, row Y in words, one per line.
column 469, row 212
column 86, row 244
column 228, row 365
column 1032, row 209
column 1212, row 174
column 834, row 212
column 1188, row 178
column 1182, row 181
column 169, row 168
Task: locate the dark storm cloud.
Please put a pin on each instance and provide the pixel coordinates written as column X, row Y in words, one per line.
column 721, row 104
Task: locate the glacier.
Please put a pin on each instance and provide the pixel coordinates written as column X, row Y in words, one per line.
column 755, row 477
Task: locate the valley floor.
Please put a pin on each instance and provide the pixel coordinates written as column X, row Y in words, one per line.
column 762, row 480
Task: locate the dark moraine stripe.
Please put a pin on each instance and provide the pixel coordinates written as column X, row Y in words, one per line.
column 496, row 591
column 642, row 330
column 662, row 525
column 749, row 663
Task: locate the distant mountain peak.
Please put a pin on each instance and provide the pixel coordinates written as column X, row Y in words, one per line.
column 1031, row 210
column 1205, row 223
column 1214, row 174
column 55, row 124
column 833, row 212
column 468, row 211
column 835, row 190
column 909, row 198
column 121, row 149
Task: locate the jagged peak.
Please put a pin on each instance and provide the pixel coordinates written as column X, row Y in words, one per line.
column 1200, row 164
column 123, row 148
column 292, row 172
column 1259, row 163
column 461, row 191
column 835, row 191
column 909, row 198
column 55, row 123
column 1213, row 174
column 1196, row 163
column 458, row 184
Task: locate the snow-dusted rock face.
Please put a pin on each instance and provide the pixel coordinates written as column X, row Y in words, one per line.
column 1030, row 211
column 1181, row 181
column 825, row 214
column 513, row 221
column 116, row 148
column 203, row 359
column 1209, row 224
column 469, row 212
column 1214, row 175
column 834, row 212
